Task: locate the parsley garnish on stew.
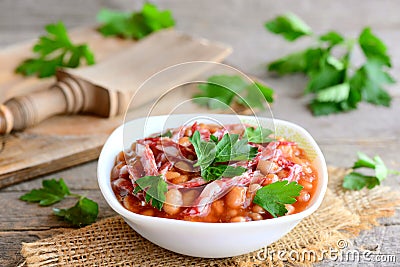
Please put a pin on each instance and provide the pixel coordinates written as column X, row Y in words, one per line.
column 134, row 25
column 357, row 180
column 273, row 197
column 55, row 50
column 213, row 156
column 258, row 135
column 83, row 213
column 154, row 187
column 337, row 85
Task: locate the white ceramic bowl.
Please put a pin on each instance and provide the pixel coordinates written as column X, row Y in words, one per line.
column 208, row 240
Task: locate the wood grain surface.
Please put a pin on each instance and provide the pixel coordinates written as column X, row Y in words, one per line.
column 65, row 141
column 373, row 130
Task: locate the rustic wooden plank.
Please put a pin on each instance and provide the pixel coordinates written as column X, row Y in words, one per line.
column 11, row 242
column 23, row 216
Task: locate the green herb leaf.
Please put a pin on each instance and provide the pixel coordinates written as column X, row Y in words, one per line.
column 231, row 148
column 371, row 86
column 166, row 134
column 292, row 63
column 215, row 172
column 258, row 135
column 224, row 147
column 373, row 47
column 211, row 153
column 205, row 151
column 357, row 181
column 319, row 108
column 335, row 87
column 83, row 213
column 154, row 187
column 134, row 25
column 273, row 197
column 241, row 150
column 214, row 138
column 377, row 164
column 253, row 99
column 55, row 50
column 336, row 93
column 221, row 91
column 332, row 37
column 52, row 192
column 289, row 26
column 326, row 76
column 364, row 161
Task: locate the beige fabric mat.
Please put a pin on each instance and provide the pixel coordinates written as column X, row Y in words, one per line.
column 111, row 242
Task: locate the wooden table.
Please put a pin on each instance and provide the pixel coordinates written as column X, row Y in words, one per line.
column 373, row 130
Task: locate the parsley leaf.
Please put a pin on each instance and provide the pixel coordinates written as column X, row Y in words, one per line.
column 373, row 47
column 215, row 172
column 364, row 161
column 155, row 188
column 258, row 135
column 212, row 154
column 289, row 26
column 222, row 91
column 371, row 86
column 335, row 93
column 134, row 25
column 166, row 134
column 83, row 213
column 231, row 148
column 335, row 86
column 52, row 192
column 332, row 37
column 292, row 63
column 273, row 197
column 55, row 50
column 205, row 151
column 357, row 181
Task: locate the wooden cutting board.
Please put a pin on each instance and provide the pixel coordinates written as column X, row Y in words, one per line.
column 65, row 141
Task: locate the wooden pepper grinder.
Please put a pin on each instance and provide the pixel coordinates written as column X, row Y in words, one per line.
column 105, row 89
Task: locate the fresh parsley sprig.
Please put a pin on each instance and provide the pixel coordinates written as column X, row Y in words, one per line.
column 273, row 197
column 55, row 50
column 258, row 135
column 213, row 156
column 135, row 25
column 357, row 180
column 337, row 85
column 83, row 213
column 220, row 92
column 155, row 189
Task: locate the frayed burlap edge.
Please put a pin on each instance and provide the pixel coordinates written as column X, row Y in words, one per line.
column 111, row 242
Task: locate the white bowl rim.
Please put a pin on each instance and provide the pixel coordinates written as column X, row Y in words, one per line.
column 112, row 201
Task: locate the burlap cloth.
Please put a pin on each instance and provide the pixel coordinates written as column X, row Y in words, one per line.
column 111, row 242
